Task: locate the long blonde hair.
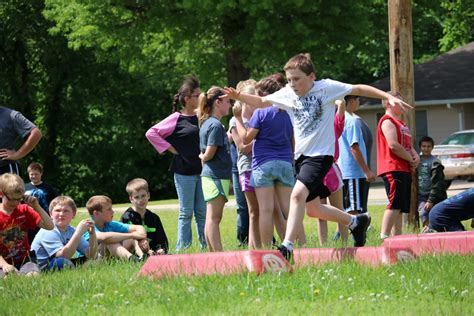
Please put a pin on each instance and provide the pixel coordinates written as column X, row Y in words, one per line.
column 207, row 101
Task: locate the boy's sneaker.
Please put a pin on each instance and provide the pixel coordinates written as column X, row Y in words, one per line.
column 336, row 236
column 134, row 258
column 286, row 253
column 360, row 231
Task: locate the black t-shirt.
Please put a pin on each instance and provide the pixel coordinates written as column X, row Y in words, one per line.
column 154, row 228
column 185, row 139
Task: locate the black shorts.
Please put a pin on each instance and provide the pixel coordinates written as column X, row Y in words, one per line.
column 398, row 188
column 311, row 171
column 355, row 195
column 12, row 167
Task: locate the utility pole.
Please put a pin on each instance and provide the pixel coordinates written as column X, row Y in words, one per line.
column 401, row 75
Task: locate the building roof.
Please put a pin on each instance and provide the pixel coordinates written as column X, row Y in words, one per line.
column 448, row 77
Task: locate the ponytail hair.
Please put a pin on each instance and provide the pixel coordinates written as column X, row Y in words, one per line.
column 206, row 103
column 190, row 84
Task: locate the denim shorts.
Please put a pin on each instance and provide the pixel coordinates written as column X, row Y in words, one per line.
column 272, row 172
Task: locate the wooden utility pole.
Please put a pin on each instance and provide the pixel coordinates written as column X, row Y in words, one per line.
column 401, row 74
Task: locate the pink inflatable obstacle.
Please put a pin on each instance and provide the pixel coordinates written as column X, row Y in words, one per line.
column 372, row 256
column 453, row 242
column 257, row 261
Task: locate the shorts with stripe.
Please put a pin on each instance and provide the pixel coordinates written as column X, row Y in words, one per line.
column 398, row 188
column 12, row 167
column 332, row 181
column 355, row 195
column 213, row 188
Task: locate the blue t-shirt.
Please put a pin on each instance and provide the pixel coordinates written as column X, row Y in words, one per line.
column 454, row 209
column 113, row 226
column 274, row 138
column 212, row 133
column 351, row 135
column 48, row 242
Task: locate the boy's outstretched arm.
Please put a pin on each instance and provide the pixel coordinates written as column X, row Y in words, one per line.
column 364, row 90
column 253, row 100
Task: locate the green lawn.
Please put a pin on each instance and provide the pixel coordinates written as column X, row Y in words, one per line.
column 430, row 285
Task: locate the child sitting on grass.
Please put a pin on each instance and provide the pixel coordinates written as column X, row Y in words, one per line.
column 114, row 237
column 138, row 214
column 64, row 246
column 15, row 220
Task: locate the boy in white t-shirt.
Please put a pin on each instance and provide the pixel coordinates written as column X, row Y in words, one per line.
column 310, row 105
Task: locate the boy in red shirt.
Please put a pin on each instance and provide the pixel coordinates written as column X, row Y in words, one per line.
column 15, row 220
column 396, row 160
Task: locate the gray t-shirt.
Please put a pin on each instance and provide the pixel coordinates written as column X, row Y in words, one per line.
column 424, row 175
column 13, row 125
column 244, row 162
column 212, row 133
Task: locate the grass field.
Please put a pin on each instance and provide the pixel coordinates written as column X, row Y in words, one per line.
column 440, row 285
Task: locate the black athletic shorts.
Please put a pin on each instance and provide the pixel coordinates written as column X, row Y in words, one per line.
column 398, row 188
column 311, row 171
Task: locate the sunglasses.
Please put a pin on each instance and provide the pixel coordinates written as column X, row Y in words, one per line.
column 11, row 199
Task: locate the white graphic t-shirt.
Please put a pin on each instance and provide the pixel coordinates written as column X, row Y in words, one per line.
column 312, row 115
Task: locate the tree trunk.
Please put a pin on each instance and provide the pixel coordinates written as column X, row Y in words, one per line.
column 236, row 71
column 401, row 75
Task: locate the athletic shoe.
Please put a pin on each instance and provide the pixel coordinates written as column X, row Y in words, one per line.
column 286, row 253
column 134, row 258
column 336, row 236
column 360, row 231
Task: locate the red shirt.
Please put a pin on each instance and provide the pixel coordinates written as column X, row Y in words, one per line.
column 14, row 245
column 387, row 161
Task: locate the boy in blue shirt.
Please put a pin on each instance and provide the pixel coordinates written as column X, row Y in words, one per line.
column 64, row 246
column 118, row 239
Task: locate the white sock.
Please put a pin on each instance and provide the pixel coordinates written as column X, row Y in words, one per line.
column 288, row 244
column 353, row 223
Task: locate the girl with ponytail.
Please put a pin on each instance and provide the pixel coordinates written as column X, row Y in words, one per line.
column 216, row 162
column 179, row 135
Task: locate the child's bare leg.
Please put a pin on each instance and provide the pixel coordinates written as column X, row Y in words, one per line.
column 283, row 194
column 336, row 200
column 119, row 251
column 397, row 227
column 322, row 232
column 330, row 213
column 132, row 246
column 266, row 207
column 322, row 224
column 254, row 214
column 296, row 213
column 388, row 220
column 279, row 218
column 214, row 211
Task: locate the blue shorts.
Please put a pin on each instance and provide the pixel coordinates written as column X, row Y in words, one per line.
column 272, row 172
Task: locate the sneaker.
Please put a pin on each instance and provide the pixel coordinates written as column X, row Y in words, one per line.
column 360, row 231
column 336, row 236
column 134, row 258
column 286, row 253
